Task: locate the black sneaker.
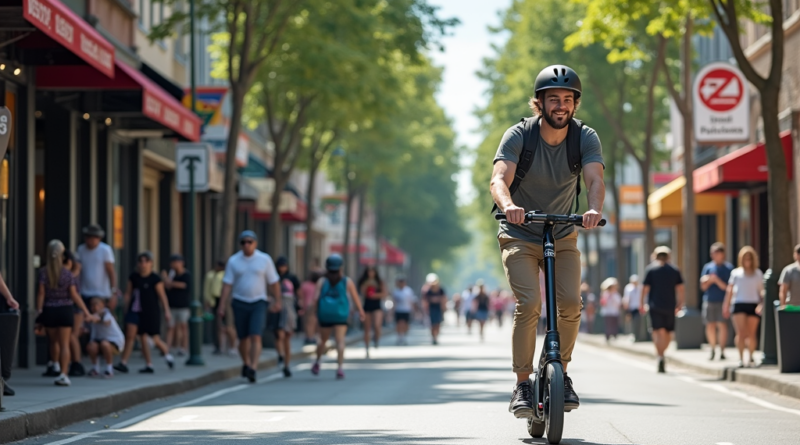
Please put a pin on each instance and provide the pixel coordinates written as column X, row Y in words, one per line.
column 722, row 355
column 251, row 375
column 51, row 372
column 147, row 370
column 571, row 400
column 7, row 391
column 244, row 370
column 76, row 369
column 521, row 405
column 661, row 367
column 280, row 358
column 287, row 372
column 121, row 367
column 712, row 355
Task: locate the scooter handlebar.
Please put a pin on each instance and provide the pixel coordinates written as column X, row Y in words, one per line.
column 534, row 217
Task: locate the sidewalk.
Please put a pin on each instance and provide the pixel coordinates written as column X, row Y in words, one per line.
column 766, row 377
column 39, row 406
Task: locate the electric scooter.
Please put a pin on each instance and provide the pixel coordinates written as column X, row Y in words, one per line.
column 548, row 384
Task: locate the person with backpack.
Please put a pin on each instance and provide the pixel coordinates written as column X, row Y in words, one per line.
column 538, row 167
column 335, row 295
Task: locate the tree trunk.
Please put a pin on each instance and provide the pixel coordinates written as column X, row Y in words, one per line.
column 618, row 250
column 230, row 196
column 346, row 245
column 312, row 180
column 690, row 240
column 359, row 228
column 780, row 232
column 275, row 236
column 649, row 230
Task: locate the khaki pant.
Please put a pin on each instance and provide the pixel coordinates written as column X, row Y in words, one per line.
column 521, row 261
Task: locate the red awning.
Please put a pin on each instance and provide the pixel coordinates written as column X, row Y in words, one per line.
column 72, row 32
column 337, row 248
column 157, row 104
column 298, row 215
column 741, row 169
column 392, row 254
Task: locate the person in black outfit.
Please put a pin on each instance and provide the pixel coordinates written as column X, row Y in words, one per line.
column 664, row 294
column 177, row 282
column 145, row 291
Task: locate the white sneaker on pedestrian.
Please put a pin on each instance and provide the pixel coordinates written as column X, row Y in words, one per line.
column 62, row 380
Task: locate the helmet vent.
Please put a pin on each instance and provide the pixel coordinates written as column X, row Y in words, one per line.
column 566, row 80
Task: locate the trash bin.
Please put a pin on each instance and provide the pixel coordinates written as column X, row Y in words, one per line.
column 9, row 333
column 787, row 331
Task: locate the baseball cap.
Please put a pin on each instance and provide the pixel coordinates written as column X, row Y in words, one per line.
column 663, row 250
column 248, row 234
column 176, row 257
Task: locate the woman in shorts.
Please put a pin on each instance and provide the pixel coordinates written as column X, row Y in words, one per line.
column 373, row 289
column 56, row 299
column 435, row 301
column 743, row 302
column 334, row 285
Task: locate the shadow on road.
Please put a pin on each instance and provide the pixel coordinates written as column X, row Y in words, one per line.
column 344, row 437
column 543, row 441
column 606, row 401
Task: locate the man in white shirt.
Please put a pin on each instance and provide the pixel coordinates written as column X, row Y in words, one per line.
column 404, row 303
column 98, row 279
column 631, row 296
column 248, row 273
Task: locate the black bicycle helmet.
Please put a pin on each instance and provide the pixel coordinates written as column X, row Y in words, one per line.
column 558, row 76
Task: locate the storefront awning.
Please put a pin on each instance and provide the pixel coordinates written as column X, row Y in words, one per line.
column 156, row 104
column 666, row 203
column 63, row 26
column 291, row 208
column 392, row 254
column 741, row 169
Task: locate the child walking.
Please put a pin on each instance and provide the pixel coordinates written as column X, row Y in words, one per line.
column 334, row 297
column 105, row 338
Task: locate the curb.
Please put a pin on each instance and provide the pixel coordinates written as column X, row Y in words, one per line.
column 29, row 424
column 731, row 373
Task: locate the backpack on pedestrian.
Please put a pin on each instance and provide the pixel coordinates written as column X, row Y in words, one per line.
column 334, row 306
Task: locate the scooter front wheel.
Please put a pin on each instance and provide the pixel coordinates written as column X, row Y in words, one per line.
column 554, row 402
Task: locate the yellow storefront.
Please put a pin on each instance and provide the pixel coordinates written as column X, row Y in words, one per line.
column 665, row 209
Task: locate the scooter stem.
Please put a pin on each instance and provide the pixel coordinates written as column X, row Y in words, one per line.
column 552, row 343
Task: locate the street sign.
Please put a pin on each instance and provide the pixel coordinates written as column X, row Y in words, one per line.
column 721, row 104
column 196, row 156
column 5, row 129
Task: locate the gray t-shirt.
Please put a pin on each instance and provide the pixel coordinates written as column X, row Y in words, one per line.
column 549, row 185
column 791, row 277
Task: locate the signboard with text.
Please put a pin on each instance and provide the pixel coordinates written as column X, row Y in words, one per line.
column 721, row 104
column 192, row 155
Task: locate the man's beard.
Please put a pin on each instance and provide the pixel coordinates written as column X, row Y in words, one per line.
column 554, row 123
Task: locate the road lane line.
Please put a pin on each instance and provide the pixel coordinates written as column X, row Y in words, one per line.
column 276, row 419
column 185, row 419
column 155, row 412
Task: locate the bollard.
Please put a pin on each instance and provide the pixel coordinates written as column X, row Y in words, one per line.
column 769, row 344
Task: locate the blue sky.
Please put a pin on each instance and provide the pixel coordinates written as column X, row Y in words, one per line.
column 461, row 91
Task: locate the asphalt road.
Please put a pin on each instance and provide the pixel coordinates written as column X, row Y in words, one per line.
column 454, row 393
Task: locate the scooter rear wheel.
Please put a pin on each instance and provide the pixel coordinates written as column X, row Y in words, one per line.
column 554, row 402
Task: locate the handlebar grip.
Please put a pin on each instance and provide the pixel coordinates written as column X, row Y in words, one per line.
column 500, row 216
column 602, row 223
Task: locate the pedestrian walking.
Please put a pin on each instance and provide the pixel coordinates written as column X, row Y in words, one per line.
column 589, row 304
column 284, row 323
column 434, row 302
column 177, row 282
column 404, row 302
column 743, row 302
column 481, row 304
column 610, row 305
column 7, row 303
column 457, row 307
column 105, row 338
column 631, row 299
column 790, row 281
column 98, row 278
column 714, row 283
column 664, row 293
column 498, row 307
column 55, row 301
column 374, row 290
column 248, row 274
column 308, row 311
column 466, row 303
column 334, row 299
column 144, row 292
column 212, row 291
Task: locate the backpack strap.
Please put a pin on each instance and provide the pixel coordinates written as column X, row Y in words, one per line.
column 530, row 141
column 574, row 155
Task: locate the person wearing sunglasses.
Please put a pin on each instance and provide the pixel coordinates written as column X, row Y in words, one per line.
column 250, row 275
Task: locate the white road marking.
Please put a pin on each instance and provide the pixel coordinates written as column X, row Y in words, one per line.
column 276, row 419
column 724, row 443
column 185, row 419
column 713, row 386
column 155, row 412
